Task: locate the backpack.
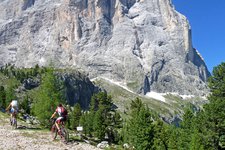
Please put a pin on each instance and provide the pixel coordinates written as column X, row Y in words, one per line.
column 63, row 112
column 14, row 104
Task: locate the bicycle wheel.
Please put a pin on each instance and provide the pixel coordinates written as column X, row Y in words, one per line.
column 10, row 121
column 54, row 132
column 14, row 123
column 64, row 135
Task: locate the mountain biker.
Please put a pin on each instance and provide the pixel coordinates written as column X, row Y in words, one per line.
column 62, row 112
column 13, row 106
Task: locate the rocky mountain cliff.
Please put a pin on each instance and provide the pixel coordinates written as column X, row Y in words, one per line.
column 144, row 44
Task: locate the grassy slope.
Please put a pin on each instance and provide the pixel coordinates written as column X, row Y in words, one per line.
column 174, row 104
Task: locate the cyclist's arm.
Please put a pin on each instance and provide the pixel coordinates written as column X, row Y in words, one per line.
column 53, row 115
column 8, row 107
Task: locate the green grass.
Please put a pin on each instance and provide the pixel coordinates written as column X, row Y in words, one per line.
column 122, row 98
column 133, row 85
column 6, row 82
column 115, row 147
column 4, row 118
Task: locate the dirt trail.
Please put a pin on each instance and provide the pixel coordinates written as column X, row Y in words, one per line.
column 25, row 138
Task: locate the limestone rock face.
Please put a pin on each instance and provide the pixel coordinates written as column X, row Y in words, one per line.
column 144, row 44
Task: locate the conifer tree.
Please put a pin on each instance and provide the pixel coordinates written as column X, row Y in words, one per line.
column 2, row 97
column 196, row 141
column 75, row 116
column 174, row 141
column 186, row 129
column 10, row 93
column 98, row 124
column 187, row 119
column 25, row 105
column 215, row 110
column 140, row 130
column 48, row 96
column 35, row 70
column 161, row 136
column 86, row 121
column 101, row 106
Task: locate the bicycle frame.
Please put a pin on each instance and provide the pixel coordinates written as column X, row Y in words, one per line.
column 13, row 121
column 63, row 135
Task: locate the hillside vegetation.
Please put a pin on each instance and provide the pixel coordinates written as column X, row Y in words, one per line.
column 173, row 106
column 122, row 118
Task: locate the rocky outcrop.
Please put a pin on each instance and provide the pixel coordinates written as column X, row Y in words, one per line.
column 29, row 83
column 143, row 44
column 77, row 88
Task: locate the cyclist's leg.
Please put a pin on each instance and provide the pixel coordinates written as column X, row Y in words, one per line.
column 65, row 135
column 14, row 115
column 54, row 131
column 14, row 120
column 11, row 118
column 57, row 122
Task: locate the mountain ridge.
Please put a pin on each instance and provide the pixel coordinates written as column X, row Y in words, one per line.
column 145, row 44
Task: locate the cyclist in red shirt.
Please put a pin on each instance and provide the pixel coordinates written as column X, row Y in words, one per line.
column 62, row 112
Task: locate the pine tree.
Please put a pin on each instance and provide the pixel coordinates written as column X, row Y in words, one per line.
column 22, row 76
column 47, row 97
column 10, row 93
column 187, row 119
column 25, row 105
column 140, row 128
column 214, row 111
column 186, row 129
column 161, row 136
column 98, row 124
column 86, row 121
column 35, row 70
column 101, row 107
column 174, row 141
column 196, row 141
column 75, row 116
column 2, row 97
column 101, row 100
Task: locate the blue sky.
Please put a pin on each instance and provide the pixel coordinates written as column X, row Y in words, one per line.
column 207, row 20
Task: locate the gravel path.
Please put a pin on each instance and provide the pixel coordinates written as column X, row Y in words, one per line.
column 34, row 139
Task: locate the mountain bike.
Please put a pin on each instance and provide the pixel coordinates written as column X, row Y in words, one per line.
column 13, row 120
column 64, row 135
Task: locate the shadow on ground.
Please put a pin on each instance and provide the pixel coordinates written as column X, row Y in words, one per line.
column 28, row 128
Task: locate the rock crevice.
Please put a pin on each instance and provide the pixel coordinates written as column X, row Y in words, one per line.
column 131, row 41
